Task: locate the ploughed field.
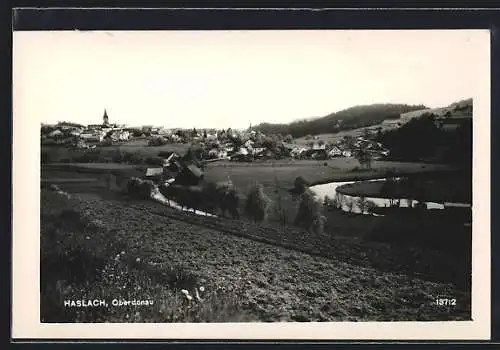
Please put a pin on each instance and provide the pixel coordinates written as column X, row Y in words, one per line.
column 248, row 272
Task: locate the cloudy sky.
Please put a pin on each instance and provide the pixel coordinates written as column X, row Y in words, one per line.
column 231, row 78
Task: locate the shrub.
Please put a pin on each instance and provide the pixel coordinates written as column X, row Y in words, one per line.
column 309, row 213
column 106, row 143
column 349, row 203
column 132, row 158
column 157, row 141
column 300, row 185
column 280, row 208
column 257, row 203
column 362, row 204
column 154, row 161
column 139, row 188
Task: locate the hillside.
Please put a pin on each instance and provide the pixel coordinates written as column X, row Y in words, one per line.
column 350, row 118
column 144, row 251
column 458, row 109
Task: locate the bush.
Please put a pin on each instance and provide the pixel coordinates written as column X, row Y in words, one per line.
column 300, row 185
column 157, row 141
column 106, row 143
column 139, row 188
column 154, row 161
column 309, row 213
column 132, row 158
column 257, row 203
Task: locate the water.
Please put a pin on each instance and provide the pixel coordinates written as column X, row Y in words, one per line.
column 329, row 190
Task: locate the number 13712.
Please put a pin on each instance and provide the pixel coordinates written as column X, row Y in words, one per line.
column 446, row 302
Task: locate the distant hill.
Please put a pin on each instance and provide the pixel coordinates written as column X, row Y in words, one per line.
column 347, row 119
column 460, row 109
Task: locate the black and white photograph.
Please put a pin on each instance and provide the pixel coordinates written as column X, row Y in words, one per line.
column 272, row 177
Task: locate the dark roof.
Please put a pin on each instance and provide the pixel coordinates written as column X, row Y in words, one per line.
column 195, row 170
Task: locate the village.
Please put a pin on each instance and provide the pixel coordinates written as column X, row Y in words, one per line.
column 237, row 145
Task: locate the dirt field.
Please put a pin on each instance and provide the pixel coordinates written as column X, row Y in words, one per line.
column 287, row 276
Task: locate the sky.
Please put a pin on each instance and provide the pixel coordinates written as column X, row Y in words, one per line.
column 220, row 79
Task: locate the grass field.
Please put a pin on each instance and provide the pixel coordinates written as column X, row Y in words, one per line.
column 266, row 173
column 145, row 251
column 134, row 146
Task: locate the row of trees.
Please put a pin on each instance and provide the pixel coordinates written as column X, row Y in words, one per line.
column 257, row 204
column 423, row 139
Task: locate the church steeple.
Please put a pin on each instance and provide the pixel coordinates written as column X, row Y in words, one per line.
column 105, row 118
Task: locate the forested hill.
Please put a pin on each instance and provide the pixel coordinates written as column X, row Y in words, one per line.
column 350, row 118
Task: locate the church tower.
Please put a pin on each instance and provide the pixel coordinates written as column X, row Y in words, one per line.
column 105, row 118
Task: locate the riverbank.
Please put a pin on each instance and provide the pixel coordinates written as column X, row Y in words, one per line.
column 451, row 189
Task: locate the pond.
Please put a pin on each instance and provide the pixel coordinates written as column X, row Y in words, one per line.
column 330, row 190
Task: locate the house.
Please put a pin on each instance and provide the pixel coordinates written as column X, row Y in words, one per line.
column 258, row 150
column 94, row 127
column 56, row 133
column 94, row 137
column 335, row 152
column 248, row 144
column 154, row 172
column 266, row 154
column 213, row 153
column 297, row 152
column 317, row 146
column 212, row 136
column 347, row 153
column 189, row 175
column 243, row 151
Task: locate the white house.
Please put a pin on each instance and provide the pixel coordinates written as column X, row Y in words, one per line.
column 335, row 152
column 258, row 150
column 249, row 143
column 317, row 146
column 296, row 152
column 346, row 153
column 56, row 132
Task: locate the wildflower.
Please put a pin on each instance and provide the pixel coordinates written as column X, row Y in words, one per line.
column 186, row 293
column 197, row 295
column 202, row 289
column 123, row 252
column 138, row 260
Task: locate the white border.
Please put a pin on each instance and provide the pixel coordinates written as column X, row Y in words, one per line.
column 25, row 244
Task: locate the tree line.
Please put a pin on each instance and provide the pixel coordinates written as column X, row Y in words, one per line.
column 351, row 118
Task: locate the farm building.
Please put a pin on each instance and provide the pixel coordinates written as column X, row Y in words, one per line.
column 335, row 152
column 189, row 175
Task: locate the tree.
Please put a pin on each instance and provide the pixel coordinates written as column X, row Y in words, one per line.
column 309, row 213
column 321, row 142
column 349, row 203
column 364, row 158
column 288, row 138
column 281, row 210
column 362, row 204
column 300, row 185
column 257, row 203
